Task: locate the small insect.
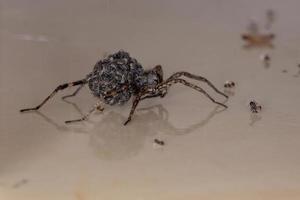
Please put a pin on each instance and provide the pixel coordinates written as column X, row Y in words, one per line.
column 229, row 88
column 255, row 107
column 229, row 84
column 258, row 40
column 266, row 59
column 160, row 142
column 118, row 77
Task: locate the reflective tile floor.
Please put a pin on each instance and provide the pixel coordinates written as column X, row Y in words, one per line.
column 209, row 153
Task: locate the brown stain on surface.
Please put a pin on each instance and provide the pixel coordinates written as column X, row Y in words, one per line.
column 79, row 195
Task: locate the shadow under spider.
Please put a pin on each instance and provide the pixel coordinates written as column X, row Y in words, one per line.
column 111, row 140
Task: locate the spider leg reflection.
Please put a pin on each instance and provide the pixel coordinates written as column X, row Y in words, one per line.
column 74, row 93
column 110, row 140
column 84, row 117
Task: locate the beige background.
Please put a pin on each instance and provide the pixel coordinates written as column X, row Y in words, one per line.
column 208, row 154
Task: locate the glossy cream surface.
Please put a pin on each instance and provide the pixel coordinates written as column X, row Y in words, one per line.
column 209, row 153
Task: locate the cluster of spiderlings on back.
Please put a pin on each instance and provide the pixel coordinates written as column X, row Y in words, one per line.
column 118, row 72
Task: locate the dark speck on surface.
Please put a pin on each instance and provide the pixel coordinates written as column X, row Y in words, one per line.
column 20, row 183
column 160, row 142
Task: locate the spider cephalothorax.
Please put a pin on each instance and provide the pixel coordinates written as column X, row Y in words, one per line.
column 115, row 79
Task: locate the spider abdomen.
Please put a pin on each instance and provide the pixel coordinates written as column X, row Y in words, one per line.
column 116, row 78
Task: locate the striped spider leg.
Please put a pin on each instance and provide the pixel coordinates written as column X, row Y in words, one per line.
column 161, row 88
column 58, row 88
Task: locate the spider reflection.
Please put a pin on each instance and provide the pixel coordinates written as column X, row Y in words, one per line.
column 110, row 140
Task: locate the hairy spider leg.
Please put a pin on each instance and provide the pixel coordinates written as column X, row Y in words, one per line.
column 136, row 101
column 74, row 93
column 196, row 77
column 164, row 86
column 97, row 106
column 139, row 98
column 58, row 88
column 170, row 82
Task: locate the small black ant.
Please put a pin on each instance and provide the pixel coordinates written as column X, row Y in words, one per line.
column 255, row 107
column 160, row 142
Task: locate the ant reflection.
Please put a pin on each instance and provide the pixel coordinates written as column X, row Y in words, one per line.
column 254, row 117
column 229, row 88
column 229, row 91
column 110, row 140
column 298, row 74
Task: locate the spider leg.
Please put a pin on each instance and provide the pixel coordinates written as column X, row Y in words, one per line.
column 196, row 77
column 74, row 93
column 58, row 88
column 136, row 101
column 134, row 105
column 170, row 82
column 97, row 106
column 154, row 95
column 141, row 96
